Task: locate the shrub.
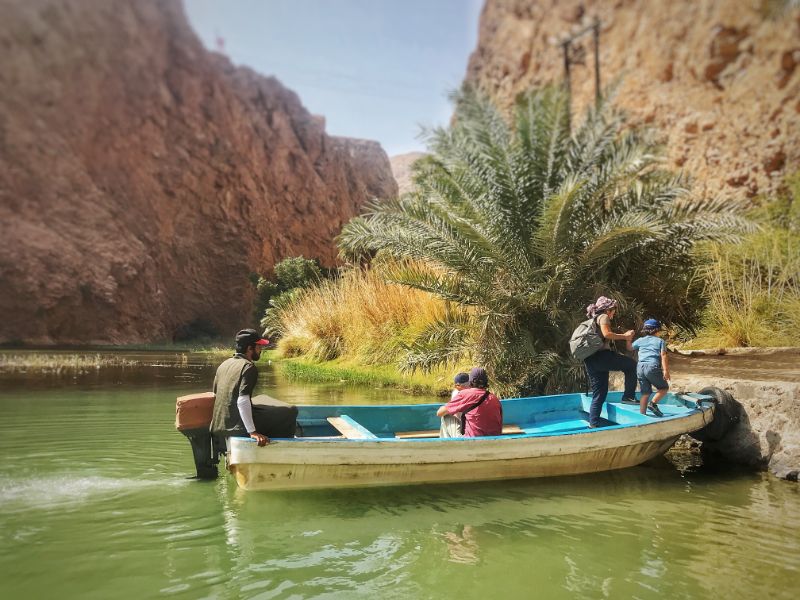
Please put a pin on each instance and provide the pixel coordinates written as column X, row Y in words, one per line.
column 289, row 274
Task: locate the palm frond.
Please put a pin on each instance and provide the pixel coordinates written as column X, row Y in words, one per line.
column 445, row 341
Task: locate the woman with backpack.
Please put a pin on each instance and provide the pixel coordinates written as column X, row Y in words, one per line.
column 600, row 363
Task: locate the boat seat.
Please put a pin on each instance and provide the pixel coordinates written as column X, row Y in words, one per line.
column 556, row 426
column 431, row 433
column 351, row 429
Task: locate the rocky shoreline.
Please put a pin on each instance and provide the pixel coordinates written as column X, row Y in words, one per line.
column 765, row 384
column 768, row 432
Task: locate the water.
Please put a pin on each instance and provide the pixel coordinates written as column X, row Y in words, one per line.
column 94, row 504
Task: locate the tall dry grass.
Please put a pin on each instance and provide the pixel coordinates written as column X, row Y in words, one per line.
column 358, row 316
column 753, row 287
column 754, row 293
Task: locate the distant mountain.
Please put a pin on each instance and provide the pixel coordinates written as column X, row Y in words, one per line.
column 401, row 169
column 143, row 178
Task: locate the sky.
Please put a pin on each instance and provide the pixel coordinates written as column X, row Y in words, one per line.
column 376, row 69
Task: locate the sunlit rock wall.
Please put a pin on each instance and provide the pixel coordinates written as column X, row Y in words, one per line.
column 718, row 79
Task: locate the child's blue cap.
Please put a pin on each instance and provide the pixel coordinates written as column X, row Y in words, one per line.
column 461, row 379
column 652, row 324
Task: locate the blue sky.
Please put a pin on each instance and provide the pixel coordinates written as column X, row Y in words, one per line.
column 376, row 69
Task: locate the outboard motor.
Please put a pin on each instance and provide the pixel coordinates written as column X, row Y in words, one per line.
column 193, row 418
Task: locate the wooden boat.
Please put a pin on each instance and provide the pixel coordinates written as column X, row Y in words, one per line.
column 350, row 446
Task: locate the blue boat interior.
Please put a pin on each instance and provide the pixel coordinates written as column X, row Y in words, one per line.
column 542, row 415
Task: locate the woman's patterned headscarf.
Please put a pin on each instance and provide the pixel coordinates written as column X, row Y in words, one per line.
column 601, row 305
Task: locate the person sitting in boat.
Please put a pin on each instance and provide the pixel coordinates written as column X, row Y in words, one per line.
column 653, row 366
column 481, row 411
column 234, row 385
column 599, row 364
column 451, row 424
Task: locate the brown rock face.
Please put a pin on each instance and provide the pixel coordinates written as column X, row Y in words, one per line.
column 717, row 78
column 142, row 178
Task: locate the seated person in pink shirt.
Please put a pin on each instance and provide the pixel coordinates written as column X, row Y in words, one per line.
column 481, row 411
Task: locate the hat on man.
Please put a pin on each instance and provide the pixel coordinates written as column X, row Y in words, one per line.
column 652, row 324
column 461, row 379
column 478, row 376
column 248, row 337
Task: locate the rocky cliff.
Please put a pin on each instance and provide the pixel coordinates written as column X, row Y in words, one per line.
column 142, row 178
column 718, row 78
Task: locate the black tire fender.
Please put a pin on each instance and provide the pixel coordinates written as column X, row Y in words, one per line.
column 727, row 413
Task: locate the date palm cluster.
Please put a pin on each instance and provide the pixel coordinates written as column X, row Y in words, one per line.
column 521, row 222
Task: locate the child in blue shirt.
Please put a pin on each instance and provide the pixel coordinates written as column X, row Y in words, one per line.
column 653, row 366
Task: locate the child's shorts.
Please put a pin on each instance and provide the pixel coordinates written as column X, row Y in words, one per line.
column 649, row 375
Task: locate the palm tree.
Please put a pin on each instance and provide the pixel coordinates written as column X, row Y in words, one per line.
column 526, row 224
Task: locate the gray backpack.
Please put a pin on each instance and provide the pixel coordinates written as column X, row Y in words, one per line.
column 586, row 339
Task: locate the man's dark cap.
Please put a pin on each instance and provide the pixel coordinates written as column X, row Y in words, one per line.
column 246, row 337
column 478, row 376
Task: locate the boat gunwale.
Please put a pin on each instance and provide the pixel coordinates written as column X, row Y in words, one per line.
column 690, row 412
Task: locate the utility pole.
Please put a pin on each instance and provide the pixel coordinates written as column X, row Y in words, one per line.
column 567, row 87
column 566, row 47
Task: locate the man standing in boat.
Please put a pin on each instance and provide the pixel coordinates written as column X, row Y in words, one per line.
column 234, row 384
column 481, row 411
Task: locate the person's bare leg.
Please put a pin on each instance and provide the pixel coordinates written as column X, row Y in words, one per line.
column 659, row 395
column 643, row 403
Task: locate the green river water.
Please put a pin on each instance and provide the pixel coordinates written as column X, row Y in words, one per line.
column 94, row 503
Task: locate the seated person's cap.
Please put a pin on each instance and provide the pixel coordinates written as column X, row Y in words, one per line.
column 478, row 375
column 250, row 336
column 461, row 379
column 652, row 324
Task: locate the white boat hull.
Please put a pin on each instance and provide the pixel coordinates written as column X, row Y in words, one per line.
column 292, row 465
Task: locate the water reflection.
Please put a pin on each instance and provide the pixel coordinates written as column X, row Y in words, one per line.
column 620, row 534
column 462, row 546
column 193, row 372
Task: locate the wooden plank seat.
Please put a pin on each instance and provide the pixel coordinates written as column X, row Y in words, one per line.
column 431, row 433
column 351, row 429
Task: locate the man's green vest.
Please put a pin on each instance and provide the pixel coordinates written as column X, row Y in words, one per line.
column 228, row 385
